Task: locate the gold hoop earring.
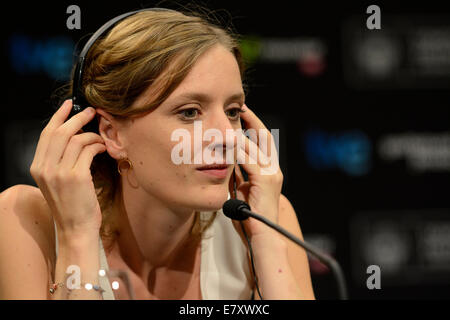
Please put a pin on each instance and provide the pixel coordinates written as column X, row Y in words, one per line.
column 122, row 161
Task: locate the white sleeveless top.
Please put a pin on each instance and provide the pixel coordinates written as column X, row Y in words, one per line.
column 224, row 271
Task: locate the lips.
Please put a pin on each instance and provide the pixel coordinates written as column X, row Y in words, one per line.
column 214, row 167
column 216, row 171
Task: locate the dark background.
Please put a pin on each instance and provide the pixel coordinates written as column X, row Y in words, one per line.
column 363, row 119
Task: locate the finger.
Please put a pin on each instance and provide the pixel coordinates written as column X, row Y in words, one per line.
column 75, row 146
column 249, row 164
column 84, row 161
column 262, row 137
column 59, row 117
column 261, row 157
column 60, row 137
column 266, row 144
column 56, row 120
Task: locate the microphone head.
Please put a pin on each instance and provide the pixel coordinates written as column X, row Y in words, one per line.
column 232, row 208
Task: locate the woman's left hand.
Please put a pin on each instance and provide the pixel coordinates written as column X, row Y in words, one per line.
column 259, row 158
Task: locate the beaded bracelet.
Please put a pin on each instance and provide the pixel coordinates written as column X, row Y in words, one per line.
column 87, row 286
column 55, row 286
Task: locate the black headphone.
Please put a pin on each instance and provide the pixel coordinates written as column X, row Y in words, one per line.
column 78, row 98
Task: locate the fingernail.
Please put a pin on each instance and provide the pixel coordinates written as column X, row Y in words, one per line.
column 90, row 110
column 64, row 104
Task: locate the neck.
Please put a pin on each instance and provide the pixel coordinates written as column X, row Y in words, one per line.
column 153, row 238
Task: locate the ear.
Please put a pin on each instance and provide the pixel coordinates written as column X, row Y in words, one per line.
column 110, row 129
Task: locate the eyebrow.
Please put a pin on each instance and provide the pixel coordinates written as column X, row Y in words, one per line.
column 202, row 97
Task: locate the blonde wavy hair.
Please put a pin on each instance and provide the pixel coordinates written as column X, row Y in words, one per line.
column 149, row 48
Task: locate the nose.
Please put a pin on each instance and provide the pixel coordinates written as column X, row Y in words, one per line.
column 219, row 131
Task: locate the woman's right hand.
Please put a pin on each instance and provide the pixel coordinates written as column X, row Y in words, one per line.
column 61, row 169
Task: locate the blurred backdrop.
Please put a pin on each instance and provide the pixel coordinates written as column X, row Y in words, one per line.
column 363, row 118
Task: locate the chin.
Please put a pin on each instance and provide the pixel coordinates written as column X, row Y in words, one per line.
column 212, row 198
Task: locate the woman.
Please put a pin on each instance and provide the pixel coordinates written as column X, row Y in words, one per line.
column 137, row 211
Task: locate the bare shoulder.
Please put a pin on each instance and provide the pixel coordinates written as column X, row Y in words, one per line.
column 27, row 202
column 27, row 206
column 27, row 237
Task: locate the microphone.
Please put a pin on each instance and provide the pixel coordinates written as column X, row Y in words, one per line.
column 236, row 209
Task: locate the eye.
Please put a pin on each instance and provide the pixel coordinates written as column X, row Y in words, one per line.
column 234, row 113
column 188, row 114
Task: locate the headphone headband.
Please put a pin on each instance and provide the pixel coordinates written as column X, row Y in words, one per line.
column 78, row 99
